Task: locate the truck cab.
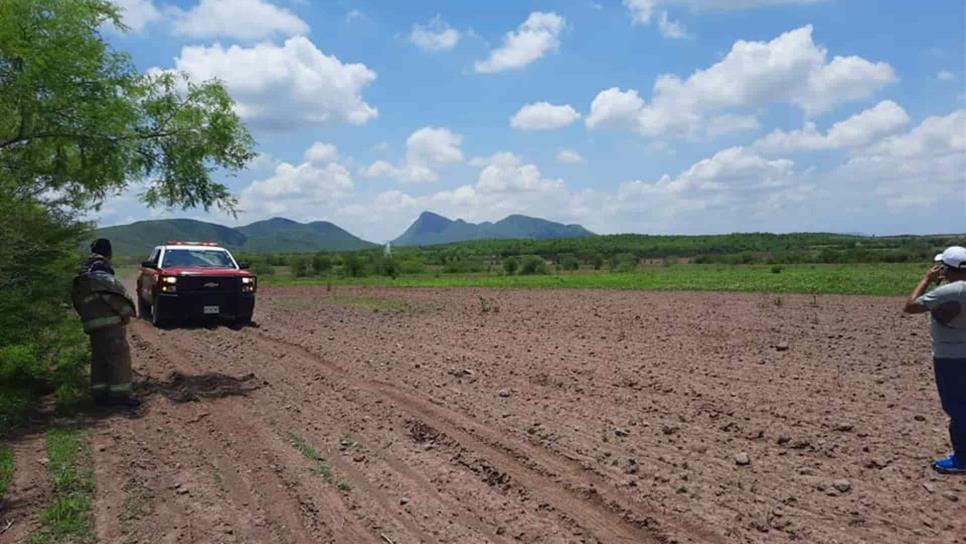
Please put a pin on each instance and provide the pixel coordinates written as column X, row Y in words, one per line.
column 183, row 280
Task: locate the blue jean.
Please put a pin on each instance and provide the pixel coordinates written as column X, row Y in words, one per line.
column 951, row 382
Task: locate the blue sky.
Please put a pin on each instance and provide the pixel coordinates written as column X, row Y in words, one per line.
column 652, row 116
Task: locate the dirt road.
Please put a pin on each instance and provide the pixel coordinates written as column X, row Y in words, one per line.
column 403, row 416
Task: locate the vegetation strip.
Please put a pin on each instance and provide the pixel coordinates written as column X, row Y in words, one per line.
column 69, row 518
column 841, row 279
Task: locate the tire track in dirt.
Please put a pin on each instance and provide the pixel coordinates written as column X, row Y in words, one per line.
column 29, row 491
column 604, row 515
column 258, row 449
column 280, row 376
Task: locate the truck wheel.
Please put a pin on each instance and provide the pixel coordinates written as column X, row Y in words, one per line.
column 156, row 316
column 144, row 309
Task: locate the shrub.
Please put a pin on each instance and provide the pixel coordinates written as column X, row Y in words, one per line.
column 776, row 269
column 262, row 268
column 569, row 262
column 352, row 266
column 511, row 265
column 322, row 263
column 533, row 265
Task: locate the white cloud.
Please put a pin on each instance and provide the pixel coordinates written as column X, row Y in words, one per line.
column 137, row 14
column 789, row 69
column 730, row 123
column 614, row 108
column 294, row 84
column 427, row 149
column 863, row 128
column 321, row 152
column 240, row 19
column 569, row 156
column 354, row 15
column 537, row 36
column 434, row 36
column 641, row 11
column 301, row 191
column 945, row 75
column 669, row 28
column 543, row 116
column 433, row 146
column 923, row 167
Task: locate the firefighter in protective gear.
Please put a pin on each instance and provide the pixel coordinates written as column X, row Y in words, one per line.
column 105, row 309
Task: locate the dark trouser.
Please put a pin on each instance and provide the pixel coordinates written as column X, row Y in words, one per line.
column 110, row 363
column 951, row 381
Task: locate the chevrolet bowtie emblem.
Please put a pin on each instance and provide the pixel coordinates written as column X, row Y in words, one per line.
column 211, row 284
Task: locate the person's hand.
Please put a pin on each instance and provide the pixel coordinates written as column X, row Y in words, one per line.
column 935, row 273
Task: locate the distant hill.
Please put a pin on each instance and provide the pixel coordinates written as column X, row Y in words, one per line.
column 430, row 228
column 270, row 236
column 267, row 236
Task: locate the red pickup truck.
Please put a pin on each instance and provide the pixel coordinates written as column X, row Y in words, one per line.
column 182, row 280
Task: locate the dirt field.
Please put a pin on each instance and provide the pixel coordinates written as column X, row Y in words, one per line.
column 403, row 416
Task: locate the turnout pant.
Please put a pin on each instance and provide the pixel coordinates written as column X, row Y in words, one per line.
column 110, row 362
column 951, row 382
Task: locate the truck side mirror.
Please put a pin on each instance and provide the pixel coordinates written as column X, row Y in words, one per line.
column 147, row 264
column 244, row 265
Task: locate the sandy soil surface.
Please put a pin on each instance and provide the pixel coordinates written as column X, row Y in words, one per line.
column 403, row 416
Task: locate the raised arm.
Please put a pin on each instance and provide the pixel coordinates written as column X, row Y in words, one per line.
column 932, row 275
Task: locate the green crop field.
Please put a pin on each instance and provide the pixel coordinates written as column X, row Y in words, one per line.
column 857, row 279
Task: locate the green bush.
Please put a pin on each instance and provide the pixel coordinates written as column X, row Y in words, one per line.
column 262, row 268
column 353, row 266
column 322, row 263
column 531, row 265
column 511, row 265
column 569, row 262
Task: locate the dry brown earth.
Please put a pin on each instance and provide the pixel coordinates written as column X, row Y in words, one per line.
column 557, row 416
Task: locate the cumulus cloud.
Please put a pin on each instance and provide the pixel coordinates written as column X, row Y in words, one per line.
column 865, row 127
column 427, row 149
column 434, row 36
column 537, row 36
column 240, row 19
column 543, row 116
column 789, row 69
column 320, row 152
column 298, row 191
column 922, row 167
column 137, row 14
column 569, row 156
column 945, row 75
column 284, row 85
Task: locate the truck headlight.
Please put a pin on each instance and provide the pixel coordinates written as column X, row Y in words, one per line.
column 248, row 284
column 248, row 279
column 169, row 279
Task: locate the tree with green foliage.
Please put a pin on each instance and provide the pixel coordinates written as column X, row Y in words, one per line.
column 533, row 265
column 510, row 265
column 79, row 123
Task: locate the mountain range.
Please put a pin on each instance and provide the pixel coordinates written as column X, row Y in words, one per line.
column 280, row 235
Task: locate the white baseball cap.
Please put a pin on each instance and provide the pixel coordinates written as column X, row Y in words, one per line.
column 953, row 257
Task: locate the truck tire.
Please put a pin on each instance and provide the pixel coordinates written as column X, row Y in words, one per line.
column 157, row 318
column 144, row 309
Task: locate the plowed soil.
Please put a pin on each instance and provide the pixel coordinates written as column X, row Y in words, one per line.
column 403, row 416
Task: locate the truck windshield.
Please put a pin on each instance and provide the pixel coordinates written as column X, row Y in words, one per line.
column 197, row 258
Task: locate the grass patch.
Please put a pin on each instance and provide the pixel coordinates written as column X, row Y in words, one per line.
column 69, row 518
column 8, row 464
column 843, row 279
column 319, row 465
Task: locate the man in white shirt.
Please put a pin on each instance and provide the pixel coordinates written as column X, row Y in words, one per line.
column 946, row 305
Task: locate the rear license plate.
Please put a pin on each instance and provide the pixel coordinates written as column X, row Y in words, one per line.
column 211, row 309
